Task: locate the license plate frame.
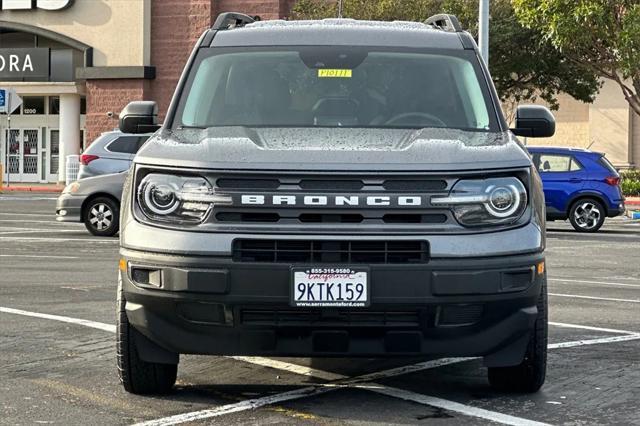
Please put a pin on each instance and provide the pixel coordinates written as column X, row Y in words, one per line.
column 330, row 275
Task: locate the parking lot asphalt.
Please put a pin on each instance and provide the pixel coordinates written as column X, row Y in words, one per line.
column 57, row 349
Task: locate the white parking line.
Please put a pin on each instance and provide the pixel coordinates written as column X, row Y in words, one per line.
column 614, row 339
column 59, row 240
column 351, row 382
column 53, row 221
column 51, row 215
column 445, row 404
column 250, row 404
column 587, row 327
column 87, row 323
column 28, row 256
column 606, row 283
column 293, row 368
column 607, row 299
column 37, row 231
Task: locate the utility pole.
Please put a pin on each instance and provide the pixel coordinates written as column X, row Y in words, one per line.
column 483, row 30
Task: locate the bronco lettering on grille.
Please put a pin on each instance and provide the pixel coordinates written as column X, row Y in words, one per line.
column 332, row 200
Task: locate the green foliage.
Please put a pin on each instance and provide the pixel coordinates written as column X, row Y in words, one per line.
column 523, row 65
column 630, row 183
column 603, row 35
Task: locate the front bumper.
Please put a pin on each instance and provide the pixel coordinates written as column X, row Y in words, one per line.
column 446, row 307
column 69, row 208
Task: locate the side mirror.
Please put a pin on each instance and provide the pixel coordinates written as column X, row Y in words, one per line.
column 534, row 121
column 139, row 117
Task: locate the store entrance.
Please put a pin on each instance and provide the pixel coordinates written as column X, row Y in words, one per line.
column 23, row 155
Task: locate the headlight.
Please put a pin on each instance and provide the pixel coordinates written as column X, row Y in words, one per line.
column 171, row 198
column 486, row 202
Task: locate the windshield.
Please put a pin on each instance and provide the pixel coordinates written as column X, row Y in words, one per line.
column 336, row 87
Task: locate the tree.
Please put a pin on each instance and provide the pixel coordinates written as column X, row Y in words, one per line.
column 523, row 64
column 603, row 35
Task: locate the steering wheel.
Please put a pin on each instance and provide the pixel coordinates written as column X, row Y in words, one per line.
column 432, row 118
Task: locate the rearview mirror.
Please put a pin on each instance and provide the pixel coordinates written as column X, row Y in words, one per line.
column 139, row 117
column 534, row 121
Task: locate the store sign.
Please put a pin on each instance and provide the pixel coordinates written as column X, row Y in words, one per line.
column 22, row 63
column 37, row 4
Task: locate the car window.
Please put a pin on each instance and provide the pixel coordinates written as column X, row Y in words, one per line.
column 557, row 163
column 604, row 162
column 141, row 141
column 324, row 86
column 125, row 144
column 575, row 165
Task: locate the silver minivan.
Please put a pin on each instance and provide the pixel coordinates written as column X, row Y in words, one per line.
column 111, row 152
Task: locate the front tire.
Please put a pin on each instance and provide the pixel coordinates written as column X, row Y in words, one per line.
column 529, row 375
column 587, row 215
column 101, row 217
column 138, row 376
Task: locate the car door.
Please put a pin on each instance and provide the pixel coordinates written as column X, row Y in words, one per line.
column 562, row 177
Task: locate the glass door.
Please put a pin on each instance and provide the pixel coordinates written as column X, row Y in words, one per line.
column 23, row 159
column 54, row 153
column 12, row 168
column 30, row 155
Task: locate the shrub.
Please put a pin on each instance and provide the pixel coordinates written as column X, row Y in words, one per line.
column 631, row 183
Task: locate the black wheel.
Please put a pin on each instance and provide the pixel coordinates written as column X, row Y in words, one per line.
column 587, row 215
column 529, row 375
column 138, row 376
column 102, row 217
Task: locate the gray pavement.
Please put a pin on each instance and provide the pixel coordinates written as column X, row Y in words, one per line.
column 56, row 372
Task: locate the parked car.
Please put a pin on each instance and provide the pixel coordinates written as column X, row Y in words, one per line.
column 94, row 201
column 333, row 188
column 111, row 152
column 579, row 185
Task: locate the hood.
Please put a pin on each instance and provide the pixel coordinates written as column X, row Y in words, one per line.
column 334, row 149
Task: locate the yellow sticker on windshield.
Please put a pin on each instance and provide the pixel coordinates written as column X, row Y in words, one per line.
column 334, row 73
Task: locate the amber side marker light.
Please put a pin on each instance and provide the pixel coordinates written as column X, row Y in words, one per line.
column 122, row 265
column 540, row 268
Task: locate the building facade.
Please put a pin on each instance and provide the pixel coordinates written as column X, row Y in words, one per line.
column 77, row 63
column 607, row 125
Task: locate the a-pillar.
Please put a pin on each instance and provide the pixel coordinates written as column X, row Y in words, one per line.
column 69, row 126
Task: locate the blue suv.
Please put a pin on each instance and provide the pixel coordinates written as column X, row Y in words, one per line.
column 579, row 185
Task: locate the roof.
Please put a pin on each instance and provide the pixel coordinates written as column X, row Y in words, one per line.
column 341, row 32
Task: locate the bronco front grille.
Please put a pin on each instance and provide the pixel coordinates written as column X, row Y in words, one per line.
column 373, row 201
column 317, row 251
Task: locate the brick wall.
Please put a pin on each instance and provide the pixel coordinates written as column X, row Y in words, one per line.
column 267, row 9
column 105, row 96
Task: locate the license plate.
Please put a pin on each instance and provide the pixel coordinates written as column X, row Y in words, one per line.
column 330, row 287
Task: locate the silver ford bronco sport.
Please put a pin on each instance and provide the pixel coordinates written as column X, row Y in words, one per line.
column 333, row 188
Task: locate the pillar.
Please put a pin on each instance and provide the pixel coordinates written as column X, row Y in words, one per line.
column 69, row 125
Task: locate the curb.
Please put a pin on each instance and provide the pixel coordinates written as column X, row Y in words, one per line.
column 41, row 189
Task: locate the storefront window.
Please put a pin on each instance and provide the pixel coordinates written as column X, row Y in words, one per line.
column 33, row 105
column 54, row 105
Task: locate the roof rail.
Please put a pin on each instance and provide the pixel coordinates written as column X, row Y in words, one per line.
column 230, row 20
column 445, row 22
